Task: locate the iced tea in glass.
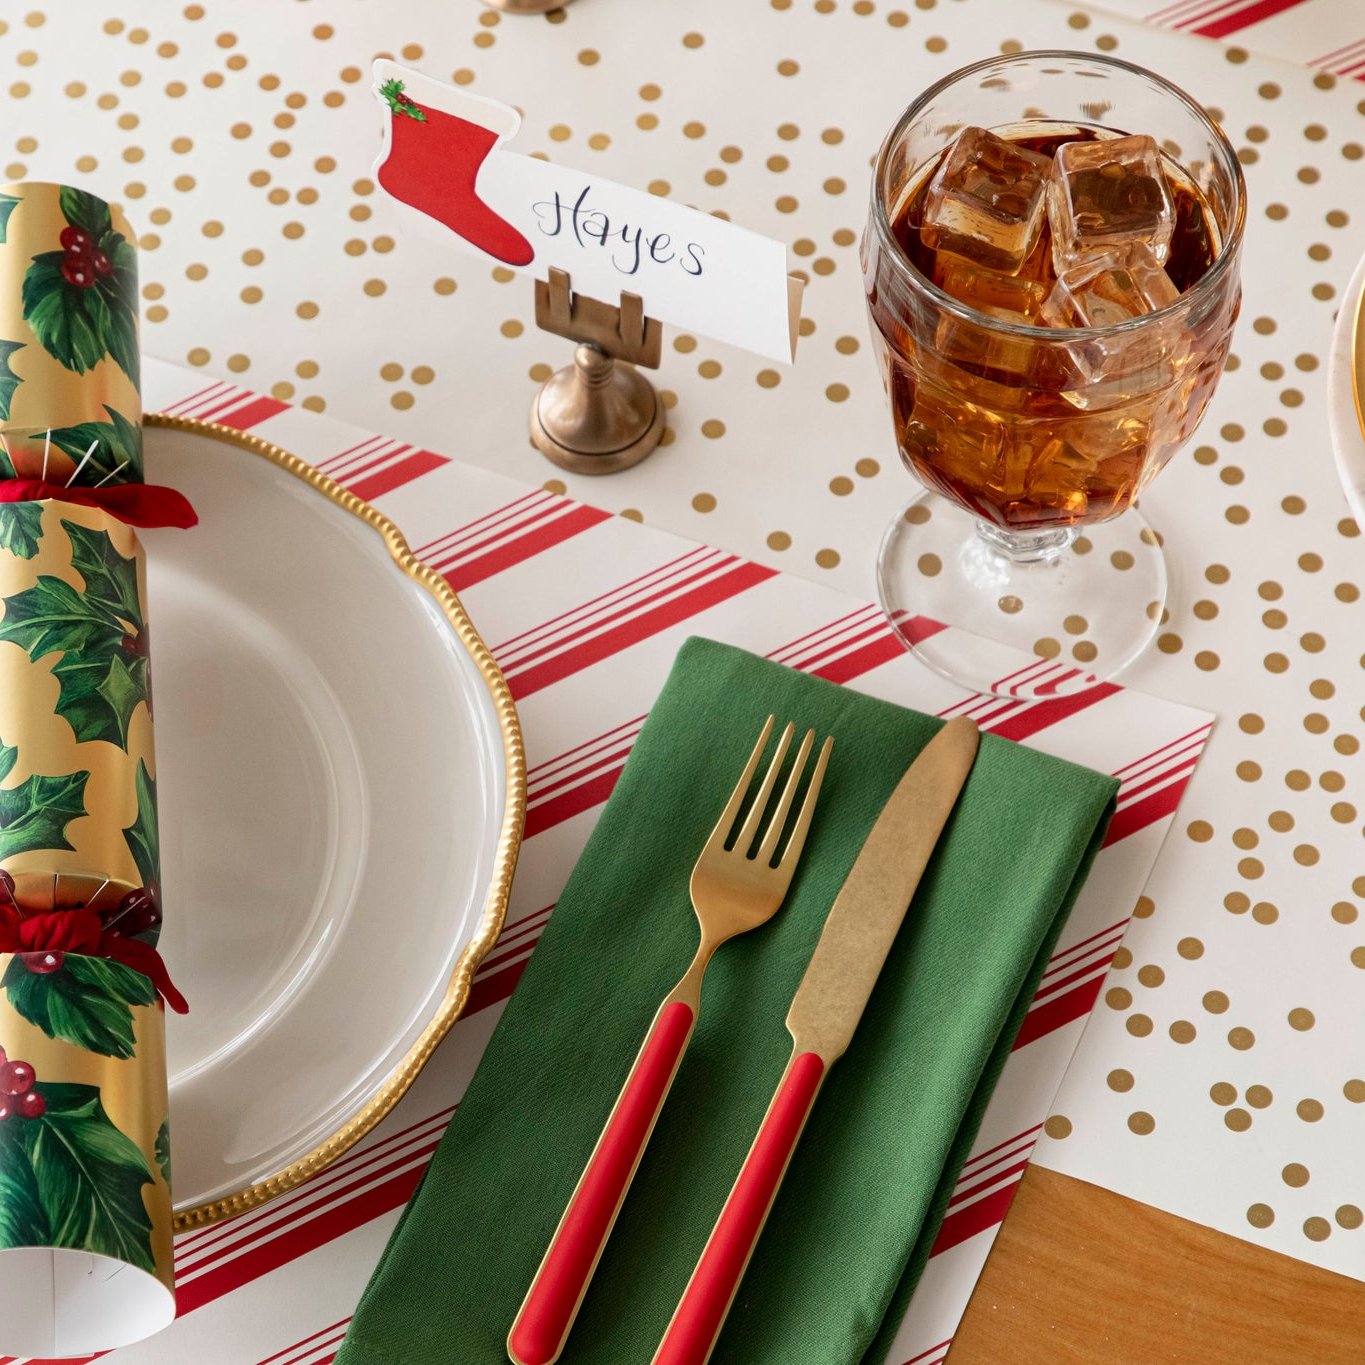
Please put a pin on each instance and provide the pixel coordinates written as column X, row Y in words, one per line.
column 1051, row 274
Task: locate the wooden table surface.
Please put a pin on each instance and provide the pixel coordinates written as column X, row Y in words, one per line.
column 1082, row 1276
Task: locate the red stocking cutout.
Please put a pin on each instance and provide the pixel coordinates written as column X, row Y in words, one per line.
column 433, row 161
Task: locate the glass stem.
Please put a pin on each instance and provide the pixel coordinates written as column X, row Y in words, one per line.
column 1027, row 547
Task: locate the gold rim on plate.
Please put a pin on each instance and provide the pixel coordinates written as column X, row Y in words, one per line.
column 505, row 861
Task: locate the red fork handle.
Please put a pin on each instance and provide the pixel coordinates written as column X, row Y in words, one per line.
column 701, row 1311
column 543, row 1322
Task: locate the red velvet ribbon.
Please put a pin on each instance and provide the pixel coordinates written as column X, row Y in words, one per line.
column 139, row 504
column 80, row 931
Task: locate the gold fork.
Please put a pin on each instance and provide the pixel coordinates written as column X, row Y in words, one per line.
column 733, row 889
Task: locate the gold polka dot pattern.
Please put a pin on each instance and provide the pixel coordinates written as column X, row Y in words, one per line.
column 269, row 257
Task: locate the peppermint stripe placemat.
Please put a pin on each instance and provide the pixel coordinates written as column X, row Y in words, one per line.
column 585, row 611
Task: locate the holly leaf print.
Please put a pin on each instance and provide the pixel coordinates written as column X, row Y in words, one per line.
column 88, row 1176
column 120, row 289
column 118, row 445
column 84, row 210
column 35, row 814
column 110, row 578
column 9, row 381
column 8, row 203
column 98, row 695
column 71, row 323
column 21, row 528
column 143, row 836
column 80, row 324
column 102, row 675
column 392, row 94
column 53, row 615
column 163, row 1150
column 87, row 1001
column 22, row 1220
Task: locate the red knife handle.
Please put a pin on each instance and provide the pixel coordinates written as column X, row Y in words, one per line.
column 701, row 1311
column 542, row 1325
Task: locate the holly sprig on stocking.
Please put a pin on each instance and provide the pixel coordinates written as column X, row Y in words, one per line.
column 392, row 91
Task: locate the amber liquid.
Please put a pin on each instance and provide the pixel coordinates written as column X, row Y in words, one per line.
column 1032, row 432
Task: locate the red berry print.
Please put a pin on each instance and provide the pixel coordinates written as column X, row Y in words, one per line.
column 137, row 912
column 79, row 271
column 18, row 1098
column 104, row 267
column 16, row 1078
column 76, row 240
column 4, row 1056
column 43, row 964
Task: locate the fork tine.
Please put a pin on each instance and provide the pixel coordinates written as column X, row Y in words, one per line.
column 798, row 840
column 774, row 831
column 746, row 835
column 731, row 812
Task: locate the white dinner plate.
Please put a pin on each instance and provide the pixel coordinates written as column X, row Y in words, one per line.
column 1348, row 440
column 342, row 786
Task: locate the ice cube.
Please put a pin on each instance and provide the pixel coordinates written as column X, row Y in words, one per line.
column 1056, row 482
column 1109, row 287
column 1038, row 265
column 989, row 290
column 950, row 443
column 986, row 201
column 977, row 344
column 1108, row 193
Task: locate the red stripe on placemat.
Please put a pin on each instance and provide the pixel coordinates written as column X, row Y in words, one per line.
column 979, row 1157
column 986, row 1181
column 636, row 591
column 488, row 990
column 1045, row 713
column 251, row 414
column 201, row 1246
column 1141, row 813
column 1221, row 26
column 297, row 1241
column 534, row 542
column 396, row 475
column 1059, row 1011
column 191, row 1269
column 572, row 802
column 1075, row 972
column 885, row 646
column 985, row 1213
column 625, row 603
column 738, row 579
column 922, row 1358
column 920, row 628
column 170, row 407
column 451, row 541
column 311, row 1340
column 501, row 524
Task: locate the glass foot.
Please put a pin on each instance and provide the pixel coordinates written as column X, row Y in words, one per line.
column 1024, row 615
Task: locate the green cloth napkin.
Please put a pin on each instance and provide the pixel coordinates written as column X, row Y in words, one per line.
column 866, row 1190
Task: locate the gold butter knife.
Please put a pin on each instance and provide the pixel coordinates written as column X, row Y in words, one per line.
column 858, row 934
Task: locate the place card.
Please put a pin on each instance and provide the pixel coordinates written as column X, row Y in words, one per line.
column 445, row 161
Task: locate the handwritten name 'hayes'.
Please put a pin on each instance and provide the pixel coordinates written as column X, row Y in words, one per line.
column 629, row 247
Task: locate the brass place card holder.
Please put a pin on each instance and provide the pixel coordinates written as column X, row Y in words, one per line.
column 597, row 416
